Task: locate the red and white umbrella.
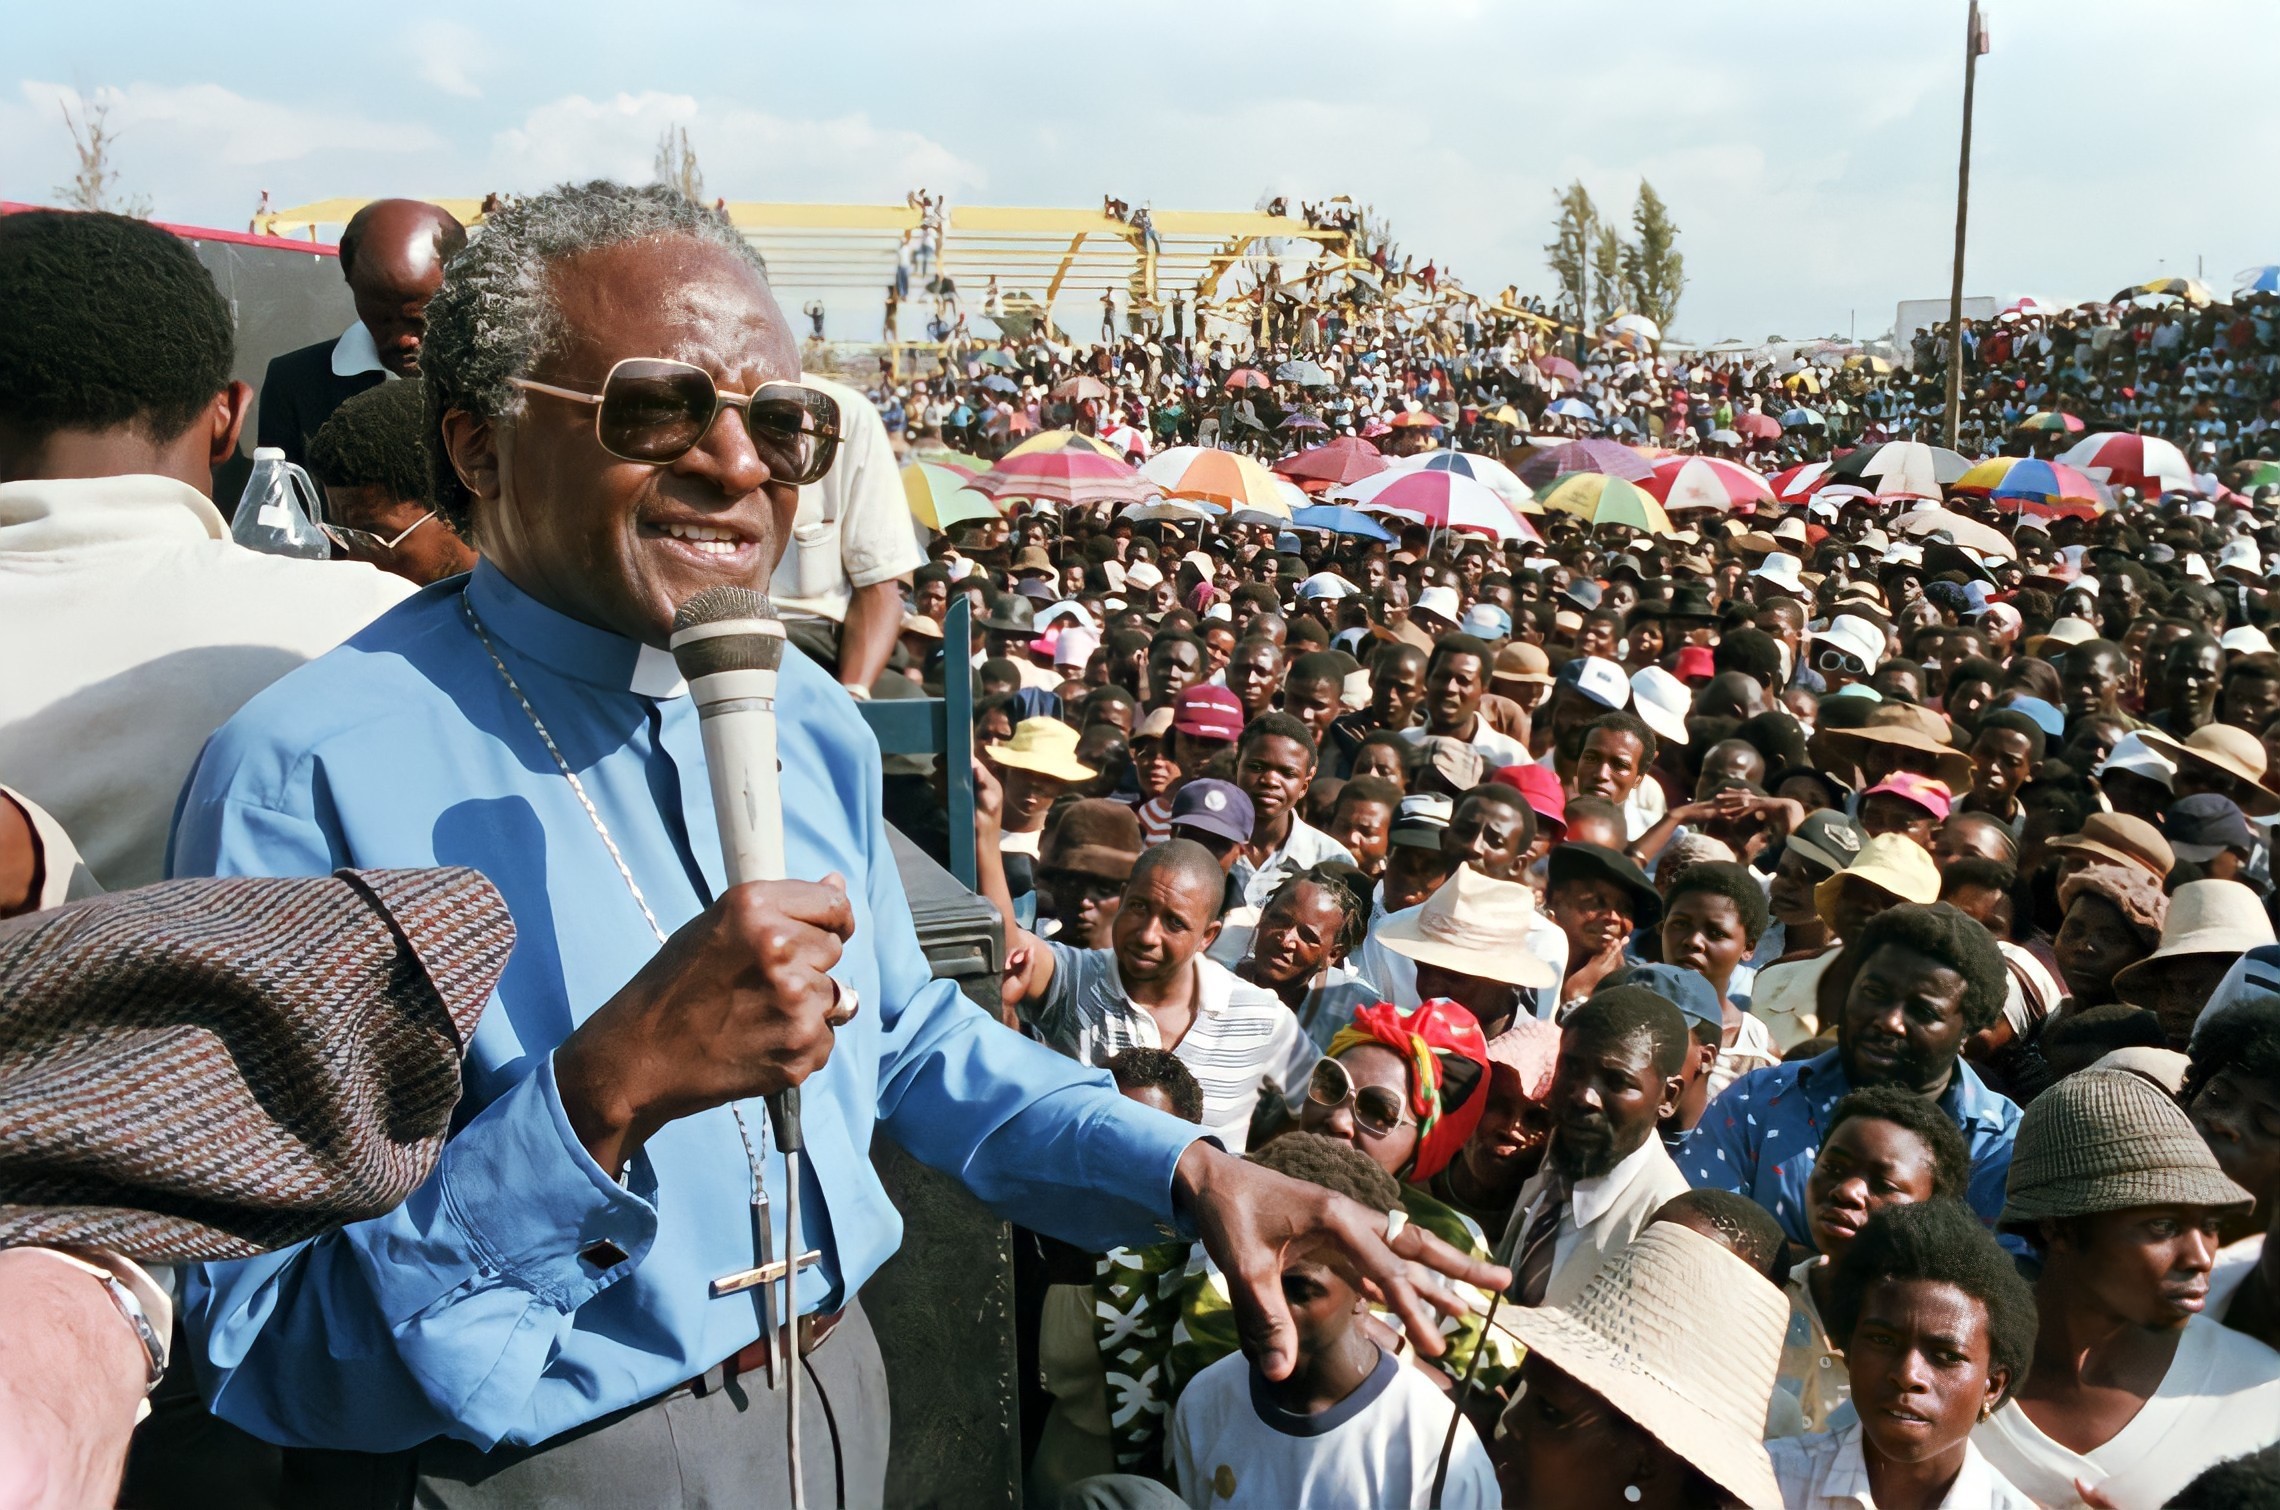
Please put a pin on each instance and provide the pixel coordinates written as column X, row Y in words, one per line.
column 2123, row 459
column 1706, row 482
column 1799, row 482
column 1445, row 500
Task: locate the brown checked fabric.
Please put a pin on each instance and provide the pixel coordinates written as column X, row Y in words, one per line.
column 209, row 1069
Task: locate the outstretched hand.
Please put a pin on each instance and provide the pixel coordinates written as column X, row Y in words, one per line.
column 1253, row 1222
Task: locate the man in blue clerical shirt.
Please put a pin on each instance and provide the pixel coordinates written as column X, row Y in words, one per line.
column 617, row 424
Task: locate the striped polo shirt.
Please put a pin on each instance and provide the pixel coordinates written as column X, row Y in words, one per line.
column 1242, row 1034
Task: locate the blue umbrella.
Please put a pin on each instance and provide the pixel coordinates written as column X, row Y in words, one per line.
column 1339, row 521
column 998, row 382
column 1573, row 408
column 2260, row 280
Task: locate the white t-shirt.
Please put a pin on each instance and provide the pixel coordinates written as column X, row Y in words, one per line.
column 1379, row 1447
column 853, row 529
column 2220, row 1399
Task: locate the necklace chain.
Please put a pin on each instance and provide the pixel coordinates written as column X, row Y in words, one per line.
column 625, row 872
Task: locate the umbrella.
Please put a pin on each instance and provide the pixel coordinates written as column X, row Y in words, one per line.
column 2123, row 459
column 1802, row 419
column 940, row 497
column 1805, row 378
column 1725, row 438
column 1168, row 511
column 1508, row 416
column 2191, row 290
column 2052, row 420
column 1874, row 366
column 2047, row 488
column 1300, row 420
column 968, row 467
column 1417, row 419
column 1607, row 456
column 1072, row 476
column 1206, row 474
column 1572, row 408
column 1968, row 533
column 998, row 382
column 1339, row 521
column 1559, row 369
column 1442, row 499
column 1485, row 470
column 1706, row 482
column 1635, row 325
column 1758, row 426
column 2258, row 280
column 1065, row 440
column 1597, row 498
column 1248, row 377
column 2261, row 474
column 1799, row 482
column 1346, row 459
column 1901, row 468
column 1002, row 360
column 1305, row 374
column 1080, row 388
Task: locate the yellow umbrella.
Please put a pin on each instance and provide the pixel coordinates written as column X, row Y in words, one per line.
column 1065, row 440
column 1597, row 498
column 1803, row 378
column 939, row 497
column 1206, row 474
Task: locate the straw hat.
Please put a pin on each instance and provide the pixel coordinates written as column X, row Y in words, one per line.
column 2063, row 634
column 1684, row 1339
column 2108, row 1140
column 1043, row 747
column 2228, row 751
column 1471, row 926
column 2122, row 839
column 2205, row 917
column 1522, row 662
column 1893, row 863
column 1949, row 765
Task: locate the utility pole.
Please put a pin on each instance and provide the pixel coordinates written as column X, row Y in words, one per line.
column 1974, row 43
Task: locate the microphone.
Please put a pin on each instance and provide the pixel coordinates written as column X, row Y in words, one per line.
column 728, row 646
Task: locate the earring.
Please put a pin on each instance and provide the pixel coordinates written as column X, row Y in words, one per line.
column 1631, row 1493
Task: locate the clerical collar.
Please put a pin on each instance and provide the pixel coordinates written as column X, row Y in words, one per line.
column 567, row 646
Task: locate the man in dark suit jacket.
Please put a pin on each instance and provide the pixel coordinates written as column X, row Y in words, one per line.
column 392, row 254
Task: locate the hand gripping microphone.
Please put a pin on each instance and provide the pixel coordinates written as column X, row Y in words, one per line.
column 728, row 645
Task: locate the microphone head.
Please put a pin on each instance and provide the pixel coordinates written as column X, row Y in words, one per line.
column 726, row 629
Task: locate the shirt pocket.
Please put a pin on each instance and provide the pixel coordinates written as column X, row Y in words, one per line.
column 816, row 569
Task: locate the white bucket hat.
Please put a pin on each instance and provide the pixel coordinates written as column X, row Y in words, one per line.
column 2205, row 917
column 1662, row 702
column 1469, row 926
column 1143, row 575
column 1783, row 572
column 2241, row 554
column 1327, row 584
column 2246, row 640
column 1856, row 637
column 1440, row 601
column 1682, row 1338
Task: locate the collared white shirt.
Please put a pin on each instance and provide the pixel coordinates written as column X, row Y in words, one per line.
column 1592, row 1198
column 1498, row 750
column 1828, row 1472
column 1303, row 847
column 853, row 528
column 356, row 352
column 1241, row 1034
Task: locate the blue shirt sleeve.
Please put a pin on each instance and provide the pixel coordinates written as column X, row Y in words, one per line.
column 1721, row 1152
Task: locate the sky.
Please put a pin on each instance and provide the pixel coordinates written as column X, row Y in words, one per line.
column 1806, row 151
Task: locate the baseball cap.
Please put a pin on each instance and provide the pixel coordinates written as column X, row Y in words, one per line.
column 2205, row 825
column 1597, row 678
column 1541, row 786
column 1932, row 796
column 1688, row 990
column 1208, row 713
column 1216, row 807
column 1487, row 621
column 1828, row 838
column 1421, row 820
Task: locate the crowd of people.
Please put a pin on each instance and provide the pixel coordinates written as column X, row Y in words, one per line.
column 1778, row 1010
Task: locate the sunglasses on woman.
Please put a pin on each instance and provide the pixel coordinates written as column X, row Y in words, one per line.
column 1838, row 660
column 1377, row 1109
column 653, row 410
column 363, row 545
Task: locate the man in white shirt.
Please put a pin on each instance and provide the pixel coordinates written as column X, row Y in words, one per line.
column 839, row 586
column 1274, row 763
column 134, row 625
column 1605, row 1172
column 1455, row 677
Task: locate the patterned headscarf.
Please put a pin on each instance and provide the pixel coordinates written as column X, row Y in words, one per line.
column 1436, row 1029
column 2134, row 893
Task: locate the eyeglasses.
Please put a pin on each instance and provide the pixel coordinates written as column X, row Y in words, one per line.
column 653, row 410
column 1377, row 1109
column 1838, row 660
column 365, row 544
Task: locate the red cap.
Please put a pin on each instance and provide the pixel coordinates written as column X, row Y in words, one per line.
column 1695, row 664
column 1541, row 786
column 1208, row 713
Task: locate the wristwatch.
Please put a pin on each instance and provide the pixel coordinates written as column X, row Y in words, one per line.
column 132, row 1307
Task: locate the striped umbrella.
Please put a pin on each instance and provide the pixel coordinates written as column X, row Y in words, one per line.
column 1799, row 482
column 1571, row 408
column 2124, row 459
column 2043, row 488
column 1066, row 440
column 1349, row 458
column 1485, row 470
column 1706, row 482
column 2052, row 421
column 1901, row 468
column 1596, row 498
column 940, row 497
column 1444, row 500
column 2191, row 290
column 1206, row 474
column 1073, row 476
column 1802, row 418
column 1611, row 457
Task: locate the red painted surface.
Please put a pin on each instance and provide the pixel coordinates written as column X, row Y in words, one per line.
column 209, row 233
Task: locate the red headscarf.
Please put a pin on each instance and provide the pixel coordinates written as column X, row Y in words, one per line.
column 1438, row 1029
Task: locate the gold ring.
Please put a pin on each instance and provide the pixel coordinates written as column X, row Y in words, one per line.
column 844, row 1005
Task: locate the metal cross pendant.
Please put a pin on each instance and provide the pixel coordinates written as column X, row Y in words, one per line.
column 763, row 1277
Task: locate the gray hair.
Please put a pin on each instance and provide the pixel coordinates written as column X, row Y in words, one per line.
column 494, row 317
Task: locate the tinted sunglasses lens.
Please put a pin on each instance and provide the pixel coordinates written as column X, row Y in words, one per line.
column 1329, row 1085
column 655, row 411
column 353, row 543
column 1377, row 1109
column 796, row 431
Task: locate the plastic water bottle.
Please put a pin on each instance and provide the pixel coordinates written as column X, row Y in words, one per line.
column 277, row 513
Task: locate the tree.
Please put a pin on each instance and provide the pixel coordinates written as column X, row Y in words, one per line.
column 1654, row 270
column 677, row 165
column 1607, row 251
column 94, row 185
column 1570, row 249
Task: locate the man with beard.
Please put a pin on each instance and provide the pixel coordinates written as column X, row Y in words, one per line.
column 1915, row 984
column 1605, row 1173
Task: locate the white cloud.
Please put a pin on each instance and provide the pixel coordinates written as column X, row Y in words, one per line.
column 219, row 125
column 447, row 55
